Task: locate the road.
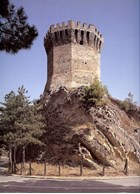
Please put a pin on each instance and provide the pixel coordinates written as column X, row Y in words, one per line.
column 13, row 184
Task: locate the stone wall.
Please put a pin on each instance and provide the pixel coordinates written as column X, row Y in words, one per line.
column 85, row 65
column 73, row 51
column 60, row 74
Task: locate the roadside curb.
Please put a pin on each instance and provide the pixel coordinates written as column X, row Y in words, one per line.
column 76, row 178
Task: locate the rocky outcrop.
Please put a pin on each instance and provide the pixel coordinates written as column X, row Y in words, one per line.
column 100, row 135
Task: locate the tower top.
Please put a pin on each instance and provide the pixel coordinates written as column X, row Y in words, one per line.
column 75, row 25
column 77, row 32
column 73, row 51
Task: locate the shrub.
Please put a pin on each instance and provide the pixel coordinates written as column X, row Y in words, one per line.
column 94, row 95
column 128, row 103
column 125, row 105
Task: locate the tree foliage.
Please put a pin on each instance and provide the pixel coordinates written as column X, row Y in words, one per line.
column 128, row 103
column 94, row 95
column 20, row 122
column 16, row 33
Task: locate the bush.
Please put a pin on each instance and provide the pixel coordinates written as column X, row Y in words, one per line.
column 128, row 103
column 125, row 105
column 94, row 95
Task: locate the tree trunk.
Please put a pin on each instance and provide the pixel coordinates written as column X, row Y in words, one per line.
column 14, row 159
column 10, row 159
column 23, row 155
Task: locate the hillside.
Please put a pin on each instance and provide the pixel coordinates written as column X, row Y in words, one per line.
column 104, row 134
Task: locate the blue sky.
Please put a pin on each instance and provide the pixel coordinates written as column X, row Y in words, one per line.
column 117, row 20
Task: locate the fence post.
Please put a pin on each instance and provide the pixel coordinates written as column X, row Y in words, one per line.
column 30, row 169
column 21, row 167
column 126, row 166
column 103, row 172
column 59, row 168
column 81, row 166
column 12, row 167
column 45, row 168
column 10, row 160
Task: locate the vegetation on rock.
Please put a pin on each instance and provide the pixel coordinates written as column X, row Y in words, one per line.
column 94, row 95
column 128, row 103
column 105, row 134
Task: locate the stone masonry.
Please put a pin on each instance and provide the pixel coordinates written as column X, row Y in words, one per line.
column 73, row 51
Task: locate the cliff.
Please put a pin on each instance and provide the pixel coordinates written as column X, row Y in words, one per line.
column 101, row 135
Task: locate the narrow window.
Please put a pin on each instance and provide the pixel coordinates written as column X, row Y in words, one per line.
column 95, row 41
column 99, row 46
column 61, row 34
column 66, row 32
column 82, row 35
column 87, row 37
column 55, row 36
column 76, row 34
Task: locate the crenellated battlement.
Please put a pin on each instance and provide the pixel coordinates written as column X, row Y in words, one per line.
column 73, row 32
column 73, row 51
column 75, row 25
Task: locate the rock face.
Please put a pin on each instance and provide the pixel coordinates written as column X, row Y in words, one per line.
column 97, row 135
column 100, row 135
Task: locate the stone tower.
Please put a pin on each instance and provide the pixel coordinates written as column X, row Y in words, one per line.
column 73, row 51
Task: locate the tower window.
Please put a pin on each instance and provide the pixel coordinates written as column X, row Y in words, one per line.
column 66, row 32
column 61, row 34
column 55, row 36
column 99, row 46
column 88, row 37
column 76, row 34
column 81, row 42
column 82, row 35
column 95, row 41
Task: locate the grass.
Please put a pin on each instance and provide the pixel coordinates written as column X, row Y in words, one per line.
column 67, row 171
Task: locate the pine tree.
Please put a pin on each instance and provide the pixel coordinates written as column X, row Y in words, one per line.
column 20, row 123
column 16, row 33
column 128, row 103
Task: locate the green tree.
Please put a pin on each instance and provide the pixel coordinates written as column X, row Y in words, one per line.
column 129, row 99
column 16, row 33
column 128, row 103
column 21, row 123
column 94, row 95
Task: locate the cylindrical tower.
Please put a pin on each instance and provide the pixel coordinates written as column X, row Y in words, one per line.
column 73, row 51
